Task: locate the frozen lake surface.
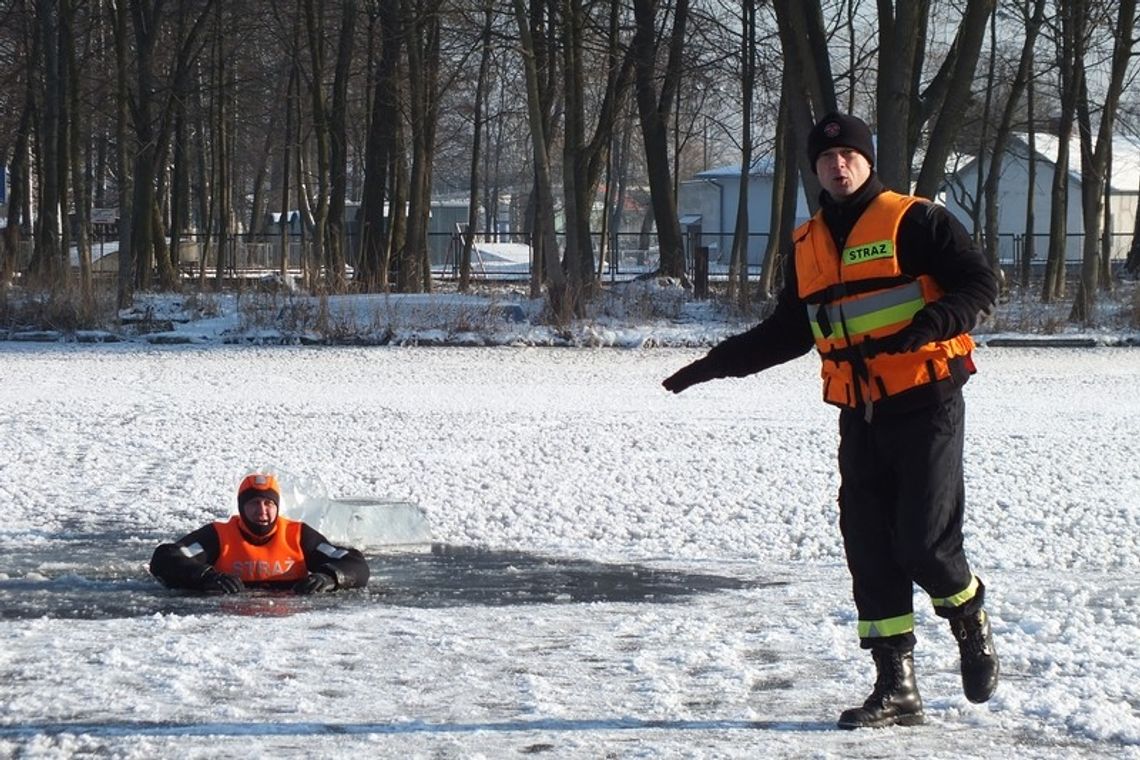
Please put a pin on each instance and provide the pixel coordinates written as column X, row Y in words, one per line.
column 613, row 570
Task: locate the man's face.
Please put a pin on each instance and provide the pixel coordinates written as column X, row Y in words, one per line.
column 259, row 512
column 842, row 171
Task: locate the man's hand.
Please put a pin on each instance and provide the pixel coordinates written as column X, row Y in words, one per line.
column 699, row 371
column 315, row 584
column 918, row 333
column 215, row 582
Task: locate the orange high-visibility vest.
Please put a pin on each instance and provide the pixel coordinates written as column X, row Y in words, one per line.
column 859, row 294
column 278, row 559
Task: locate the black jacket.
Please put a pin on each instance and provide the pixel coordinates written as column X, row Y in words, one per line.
column 171, row 565
column 930, row 241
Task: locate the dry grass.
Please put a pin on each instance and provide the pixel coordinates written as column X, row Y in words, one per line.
column 294, row 314
column 59, row 309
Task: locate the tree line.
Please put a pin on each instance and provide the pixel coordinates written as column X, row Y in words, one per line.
column 206, row 118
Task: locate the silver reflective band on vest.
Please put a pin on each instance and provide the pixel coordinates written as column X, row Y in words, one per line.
column 331, row 551
column 853, row 318
column 193, row 550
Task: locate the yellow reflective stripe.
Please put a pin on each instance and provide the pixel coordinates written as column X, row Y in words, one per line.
column 902, row 313
column 815, row 328
column 877, row 629
column 895, row 305
column 957, row 600
column 855, row 326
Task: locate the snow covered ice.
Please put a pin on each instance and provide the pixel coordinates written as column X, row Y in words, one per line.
column 616, row 571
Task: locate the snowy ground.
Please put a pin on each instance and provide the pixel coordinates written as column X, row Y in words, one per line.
column 617, row 571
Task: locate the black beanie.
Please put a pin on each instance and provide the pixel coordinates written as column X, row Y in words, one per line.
column 840, row 130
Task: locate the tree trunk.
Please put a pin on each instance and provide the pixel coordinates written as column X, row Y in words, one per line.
column 1029, row 247
column 545, row 241
column 806, row 54
column 653, row 111
column 179, row 189
column 784, row 190
column 901, row 31
column 372, row 266
column 476, row 147
column 1071, row 54
column 1095, row 160
column 738, row 263
column 810, row 72
column 292, row 90
column 314, row 24
column 968, row 45
column 76, row 147
column 47, row 266
column 338, row 153
column 584, row 160
column 206, row 199
column 422, row 30
column 1001, row 138
column 575, row 203
column 18, row 183
column 223, row 183
column 977, row 224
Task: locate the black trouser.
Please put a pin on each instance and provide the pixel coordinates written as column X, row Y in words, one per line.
column 901, row 502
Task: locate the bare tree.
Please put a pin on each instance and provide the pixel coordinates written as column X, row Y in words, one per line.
column 338, row 149
column 1004, row 129
column 1070, row 53
column 784, row 190
column 19, row 169
column 738, row 263
column 421, row 24
column 546, row 243
column 946, row 120
column 805, row 55
column 585, row 155
column 1095, row 157
column 380, row 155
column 478, row 120
column 1029, row 247
column 49, row 262
column 654, row 108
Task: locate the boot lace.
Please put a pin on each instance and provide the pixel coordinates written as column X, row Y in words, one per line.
column 971, row 636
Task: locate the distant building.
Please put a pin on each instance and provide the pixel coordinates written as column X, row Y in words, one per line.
column 959, row 193
column 708, row 201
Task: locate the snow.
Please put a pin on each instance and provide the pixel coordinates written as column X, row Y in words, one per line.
column 616, row 571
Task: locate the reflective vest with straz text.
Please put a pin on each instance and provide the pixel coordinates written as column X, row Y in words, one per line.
column 860, row 294
column 278, row 559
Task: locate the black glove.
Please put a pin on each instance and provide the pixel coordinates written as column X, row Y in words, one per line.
column 699, row 371
column 215, row 582
column 919, row 332
column 315, row 584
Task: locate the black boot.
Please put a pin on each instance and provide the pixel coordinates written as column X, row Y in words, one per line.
column 895, row 700
column 979, row 658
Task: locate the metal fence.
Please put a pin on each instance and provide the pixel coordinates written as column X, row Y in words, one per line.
column 626, row 255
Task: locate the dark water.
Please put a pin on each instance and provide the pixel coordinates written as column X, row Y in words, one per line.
column 104, row 577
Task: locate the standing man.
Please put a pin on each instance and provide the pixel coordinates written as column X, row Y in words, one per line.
column 258, row 548
column 886, row 287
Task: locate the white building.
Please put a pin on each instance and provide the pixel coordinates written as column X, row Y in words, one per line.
column 959, row 193
column 710, row 199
